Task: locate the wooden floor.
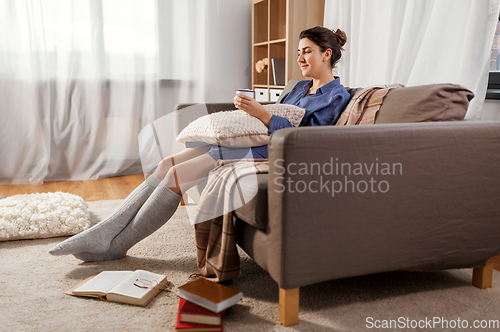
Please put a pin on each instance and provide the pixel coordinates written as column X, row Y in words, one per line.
column 91, row 190
column 96, row 190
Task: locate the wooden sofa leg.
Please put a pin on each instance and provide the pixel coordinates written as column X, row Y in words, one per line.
column 184, row 200
column 289, row 306
column 482, row 277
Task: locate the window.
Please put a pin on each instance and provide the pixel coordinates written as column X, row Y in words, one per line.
column 493, row 91
column 106, row 39
column 78, row 38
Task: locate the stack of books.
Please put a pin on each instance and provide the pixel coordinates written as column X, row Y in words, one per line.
column 202, row 305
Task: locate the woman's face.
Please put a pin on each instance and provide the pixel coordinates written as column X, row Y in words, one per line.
column 311, row 60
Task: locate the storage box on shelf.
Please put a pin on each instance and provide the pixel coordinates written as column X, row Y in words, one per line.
column 261, row 94
column 274, row 94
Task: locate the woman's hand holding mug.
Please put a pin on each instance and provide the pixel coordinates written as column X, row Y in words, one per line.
column 244, row 100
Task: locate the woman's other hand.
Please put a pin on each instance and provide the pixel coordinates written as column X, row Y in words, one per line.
column 252, row 107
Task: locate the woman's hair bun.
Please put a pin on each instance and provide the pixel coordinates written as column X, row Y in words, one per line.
column 341, row 38
column 326, row 38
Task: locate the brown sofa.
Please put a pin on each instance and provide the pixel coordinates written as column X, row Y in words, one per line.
column 419, row 196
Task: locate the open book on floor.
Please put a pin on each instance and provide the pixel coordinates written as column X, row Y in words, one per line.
column 131, row 287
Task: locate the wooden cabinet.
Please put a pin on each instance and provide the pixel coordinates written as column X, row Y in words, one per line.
column 276, row 25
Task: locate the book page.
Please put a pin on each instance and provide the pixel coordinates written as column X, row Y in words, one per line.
column 127, row 288
column 102, row 282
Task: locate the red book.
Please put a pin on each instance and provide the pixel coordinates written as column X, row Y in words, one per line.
column 192, row 313
column 188, row 327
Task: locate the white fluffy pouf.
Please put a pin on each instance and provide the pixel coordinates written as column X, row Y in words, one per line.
column 36, row 216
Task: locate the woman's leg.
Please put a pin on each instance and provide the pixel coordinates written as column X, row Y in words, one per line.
column 98, row 238
column 158, row 209
column 176, row 159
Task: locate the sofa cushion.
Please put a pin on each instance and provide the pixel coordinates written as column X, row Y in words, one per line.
column 352, row 91
column 254, row 212
column 237, row 128
column 433, row 102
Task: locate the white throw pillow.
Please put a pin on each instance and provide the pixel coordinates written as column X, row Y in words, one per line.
column 237, row 128
column 35, row 216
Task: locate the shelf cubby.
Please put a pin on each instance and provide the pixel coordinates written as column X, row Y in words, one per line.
column 277, row 21
column 276, row 25
column 260, row 52
column 277, row 51
column 260, row 22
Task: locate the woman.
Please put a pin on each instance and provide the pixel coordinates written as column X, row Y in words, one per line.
column 151, row 204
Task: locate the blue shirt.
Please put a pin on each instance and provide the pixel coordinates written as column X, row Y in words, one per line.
column 323, row 108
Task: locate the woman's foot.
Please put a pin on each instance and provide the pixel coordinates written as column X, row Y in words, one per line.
column 156, row 211
column 109, row 255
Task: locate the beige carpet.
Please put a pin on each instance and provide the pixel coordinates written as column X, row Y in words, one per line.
column 33, row 283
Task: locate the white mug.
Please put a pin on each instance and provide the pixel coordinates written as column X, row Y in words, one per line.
column 246, row 92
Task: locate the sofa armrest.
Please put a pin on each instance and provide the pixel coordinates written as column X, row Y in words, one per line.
column 355, row 200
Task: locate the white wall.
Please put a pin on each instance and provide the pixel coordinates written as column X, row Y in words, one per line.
column 230, row 66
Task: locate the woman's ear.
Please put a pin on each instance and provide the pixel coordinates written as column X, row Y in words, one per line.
column 327, row 55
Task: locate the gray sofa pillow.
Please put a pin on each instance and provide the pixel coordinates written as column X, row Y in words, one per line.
column 433, row 102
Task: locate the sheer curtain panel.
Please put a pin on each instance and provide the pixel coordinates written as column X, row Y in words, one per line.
column 415, row 42
column 79, row 79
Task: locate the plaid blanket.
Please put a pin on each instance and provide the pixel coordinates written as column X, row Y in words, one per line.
column 364, row 106
column 216, row 250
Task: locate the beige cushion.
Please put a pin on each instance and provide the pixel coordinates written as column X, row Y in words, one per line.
column 37, row 216
column 237, row 128
column 433, row 102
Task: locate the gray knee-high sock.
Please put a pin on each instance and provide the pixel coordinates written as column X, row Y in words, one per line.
column 155, row 212
column 98, row 238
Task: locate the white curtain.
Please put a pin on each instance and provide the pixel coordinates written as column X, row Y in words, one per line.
column 79, row 79
column 416, row 42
